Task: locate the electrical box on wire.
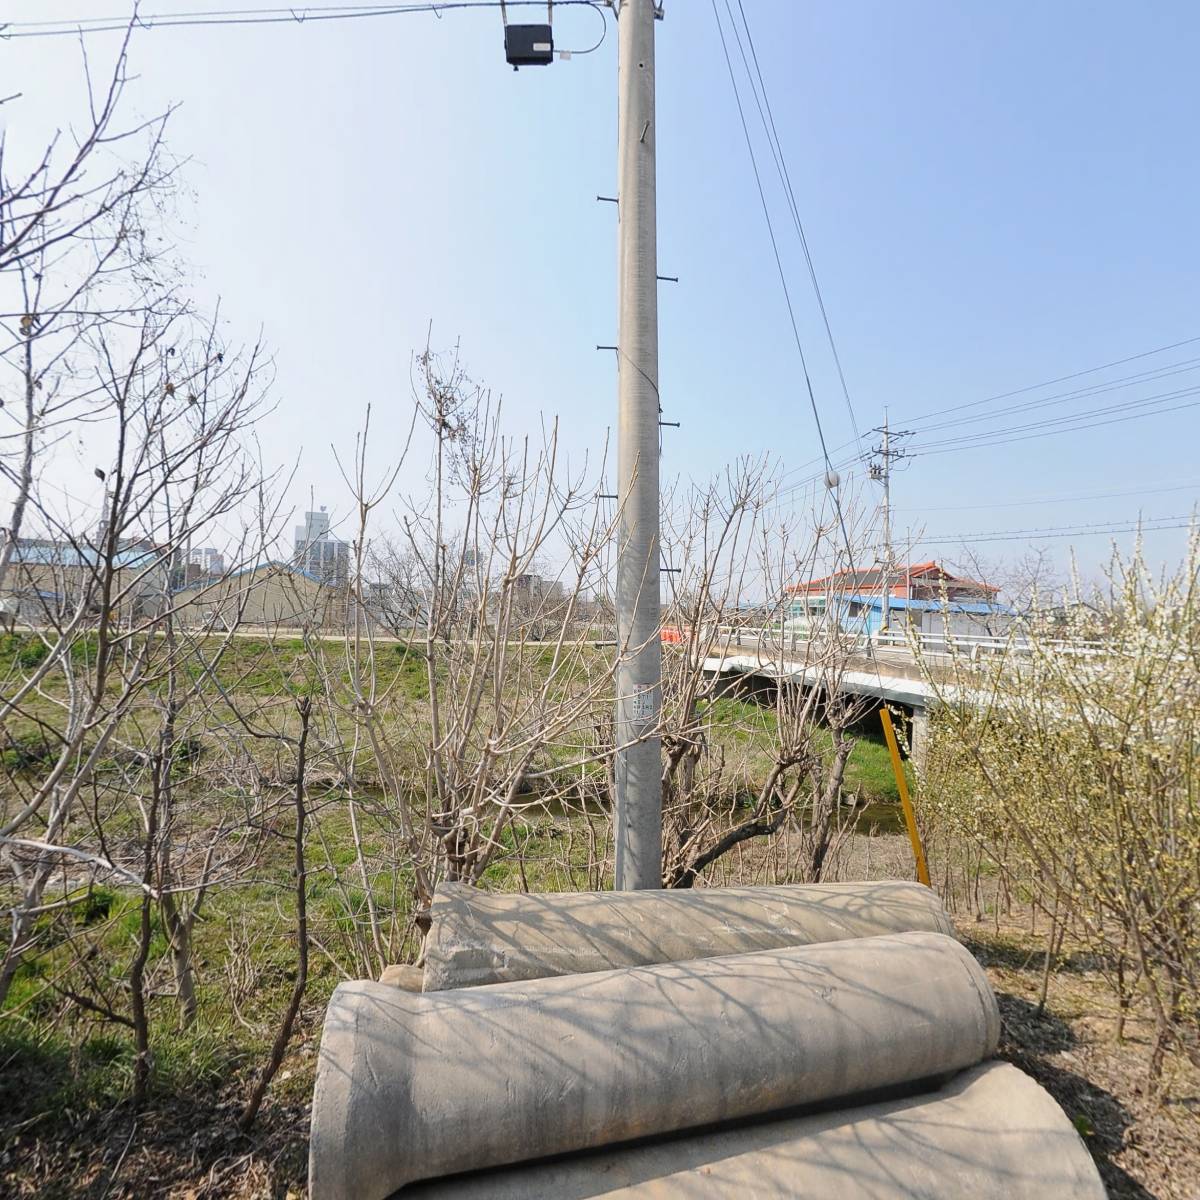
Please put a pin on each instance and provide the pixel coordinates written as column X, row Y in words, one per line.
column 528, row 45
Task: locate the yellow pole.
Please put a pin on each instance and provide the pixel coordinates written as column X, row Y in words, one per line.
column 910, row 817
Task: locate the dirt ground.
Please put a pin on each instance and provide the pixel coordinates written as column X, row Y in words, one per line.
column 1144, row 1147
column 185, row 1147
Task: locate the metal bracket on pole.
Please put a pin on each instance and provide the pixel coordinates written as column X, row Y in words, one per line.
column 617, row 5
column 608, row 199
column 669, row 278
column 672, row 424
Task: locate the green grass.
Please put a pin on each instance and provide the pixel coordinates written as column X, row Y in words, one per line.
column 25, row 651
column 749, row 725
column 55, row 1058
column 869, row 771
column 58, row 1063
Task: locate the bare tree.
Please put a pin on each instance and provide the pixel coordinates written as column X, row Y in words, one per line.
column 174, row 427
column 79, row 250
column 250, row 1112
column 478, row 715
column 741, row 762
column 1030, row 584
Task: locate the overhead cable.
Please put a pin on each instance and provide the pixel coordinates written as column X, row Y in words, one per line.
column 785, row 178
column 1033, row 387
column 295, row 15
column 1063, row 532
column 787, row 295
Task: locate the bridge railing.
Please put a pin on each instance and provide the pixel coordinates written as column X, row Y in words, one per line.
column 771, row 641
column 976, row 645
column 781, row 639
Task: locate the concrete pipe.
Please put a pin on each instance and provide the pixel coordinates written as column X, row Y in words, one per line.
column 478, row 937
column 991, row 1134
column 417, row 1086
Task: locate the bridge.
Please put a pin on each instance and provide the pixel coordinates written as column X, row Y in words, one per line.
column 908, row 670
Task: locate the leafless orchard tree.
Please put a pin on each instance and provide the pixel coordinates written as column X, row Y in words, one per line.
column 102, row 700
column 511, row 718
column 1031, row 585
column 727, row 543
column 475, row 691
column 105, row 363
column 80, row 250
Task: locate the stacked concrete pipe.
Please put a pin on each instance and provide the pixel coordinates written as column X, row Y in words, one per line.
column 991, row 1133
column 478, row 937
column 564, row 1026
column 417, row 1086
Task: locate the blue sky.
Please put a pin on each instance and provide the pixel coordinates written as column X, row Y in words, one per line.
column 994, row 195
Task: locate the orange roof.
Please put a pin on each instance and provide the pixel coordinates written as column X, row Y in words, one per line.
column 873, row 577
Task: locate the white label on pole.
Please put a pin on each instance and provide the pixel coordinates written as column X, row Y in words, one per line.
column 543, row 46
column 643, row 706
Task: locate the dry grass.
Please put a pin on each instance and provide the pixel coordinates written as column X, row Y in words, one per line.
column 1144, row 1145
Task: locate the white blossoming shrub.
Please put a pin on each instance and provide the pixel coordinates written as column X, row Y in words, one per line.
column 1072, row 764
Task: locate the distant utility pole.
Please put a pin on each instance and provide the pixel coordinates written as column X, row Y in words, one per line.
column 638, row 766
column 881, row 472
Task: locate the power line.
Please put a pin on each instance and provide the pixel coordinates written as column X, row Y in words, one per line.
column 1000, row 437
column 1064, row 528
column 1068, row 418
column 1073, row 423
column 1098, row 389
column 1014, row 535
column 1183, row 487
column 1033, row 387
column 980, row 442
column 785, row 178
column 299, row 15
column 818, row 459
column 810, row 480
column 787, row 295
column 1115, row 385
column 279, row 10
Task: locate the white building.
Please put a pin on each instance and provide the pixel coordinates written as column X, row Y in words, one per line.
column 209, row 560
column 319, row 553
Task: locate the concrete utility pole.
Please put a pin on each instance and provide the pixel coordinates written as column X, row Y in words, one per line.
column 881, row 472
column 639, row 670
column 887, row 526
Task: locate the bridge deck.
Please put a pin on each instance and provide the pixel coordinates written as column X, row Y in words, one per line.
column 890, row 675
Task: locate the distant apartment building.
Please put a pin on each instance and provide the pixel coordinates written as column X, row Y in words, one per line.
column 539, row 606
column 189, row 565
column 319, row 553
column 210, row 561
column 536, row 591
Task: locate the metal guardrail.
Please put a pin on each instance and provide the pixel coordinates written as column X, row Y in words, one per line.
column 975, row 645
column 972, row 646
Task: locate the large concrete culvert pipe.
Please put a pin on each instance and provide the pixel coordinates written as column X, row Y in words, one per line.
column 418, row 1086
column 991, row 1133
column 478, row 937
